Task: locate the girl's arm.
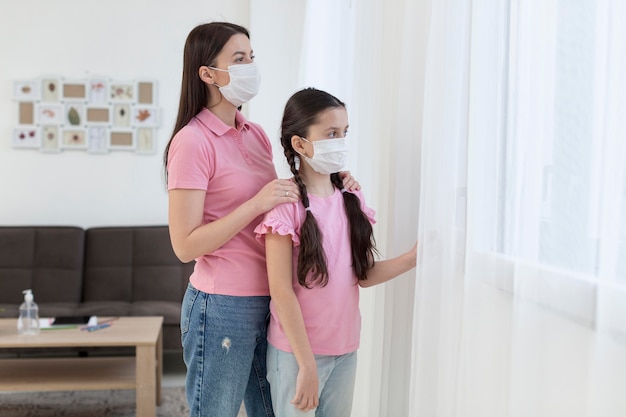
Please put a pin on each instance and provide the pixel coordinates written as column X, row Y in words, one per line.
column 279, row 253
column 191, row 239
column 383, row 271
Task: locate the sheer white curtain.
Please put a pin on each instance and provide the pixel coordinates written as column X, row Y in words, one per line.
column 439, row 299
column 520, row 304
column 494, row 130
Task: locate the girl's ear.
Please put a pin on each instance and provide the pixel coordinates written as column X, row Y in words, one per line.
column 297, row 144
column 206, row 75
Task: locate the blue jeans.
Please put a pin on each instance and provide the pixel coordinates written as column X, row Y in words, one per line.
column 336, row 383
column 224, row 348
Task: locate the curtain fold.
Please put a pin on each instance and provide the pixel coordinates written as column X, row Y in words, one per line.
column 439, row 296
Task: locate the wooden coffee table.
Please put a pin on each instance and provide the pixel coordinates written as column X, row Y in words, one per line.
column 143, row 372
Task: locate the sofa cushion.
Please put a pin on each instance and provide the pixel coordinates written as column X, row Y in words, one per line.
column 131, row 264
column 48, row 260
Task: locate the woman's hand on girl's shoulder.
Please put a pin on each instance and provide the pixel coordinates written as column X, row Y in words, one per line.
column 276, row 192
column 349, row 182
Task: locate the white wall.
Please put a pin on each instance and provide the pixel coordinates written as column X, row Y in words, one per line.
column 79, row 38
column 277, row 47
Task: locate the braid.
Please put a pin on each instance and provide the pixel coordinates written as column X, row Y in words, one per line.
column 311, row 257
column 291, row 159
column 362, row 241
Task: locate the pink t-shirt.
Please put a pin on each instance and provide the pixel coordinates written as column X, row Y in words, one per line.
column 232, row 165
column 331, row 313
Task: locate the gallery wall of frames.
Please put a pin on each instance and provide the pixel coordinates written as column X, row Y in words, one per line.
column 95, row 115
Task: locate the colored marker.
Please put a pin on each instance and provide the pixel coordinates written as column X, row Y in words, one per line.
column 97, row 327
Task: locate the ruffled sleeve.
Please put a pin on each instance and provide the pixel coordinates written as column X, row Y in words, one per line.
column 284, row 220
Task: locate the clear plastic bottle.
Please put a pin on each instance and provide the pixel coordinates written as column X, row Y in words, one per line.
column 28, row 320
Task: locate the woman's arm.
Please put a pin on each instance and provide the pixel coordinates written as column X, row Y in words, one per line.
column 279, row 253
column 383, row 271
column 191, row 239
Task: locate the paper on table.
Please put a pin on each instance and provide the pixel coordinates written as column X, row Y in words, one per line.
column 48, row 323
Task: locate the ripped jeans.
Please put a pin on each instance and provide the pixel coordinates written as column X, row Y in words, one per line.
column 224, row 348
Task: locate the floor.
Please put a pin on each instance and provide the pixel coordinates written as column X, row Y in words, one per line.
column 173, row 370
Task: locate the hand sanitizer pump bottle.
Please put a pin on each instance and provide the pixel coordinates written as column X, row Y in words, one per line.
column 28, row 321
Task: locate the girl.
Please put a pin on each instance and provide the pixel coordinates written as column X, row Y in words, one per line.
column 221, row 179
column 317, row 250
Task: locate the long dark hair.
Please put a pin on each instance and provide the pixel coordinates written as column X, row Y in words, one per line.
column 301, row 112
column 203, row 45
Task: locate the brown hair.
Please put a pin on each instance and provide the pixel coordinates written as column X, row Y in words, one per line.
column 203, row 45
column 301, row 111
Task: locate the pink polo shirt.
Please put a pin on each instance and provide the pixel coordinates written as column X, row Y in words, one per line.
column 331, row 313
column 231, row 165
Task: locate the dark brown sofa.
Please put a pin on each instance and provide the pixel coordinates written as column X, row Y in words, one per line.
column 103, row 271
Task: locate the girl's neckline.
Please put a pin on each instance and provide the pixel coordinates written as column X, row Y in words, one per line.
column 335, row 191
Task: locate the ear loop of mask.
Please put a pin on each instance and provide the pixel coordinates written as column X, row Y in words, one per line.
column 216, row 69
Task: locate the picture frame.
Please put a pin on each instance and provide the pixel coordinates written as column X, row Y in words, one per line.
column 145, row 139
column 49, row 113
column 98, row 139
column 98, row 91
column 73, row 90
column 50, row 139
column 27, row 90
column 26, row 112
column 50, row 89
column 26, row 137
column 122, row 91
column 73, row 138
column 121, row 139
column 98, row 115
column 121, row 115
column 146, row 92
column 74, row 114
column 144, row 116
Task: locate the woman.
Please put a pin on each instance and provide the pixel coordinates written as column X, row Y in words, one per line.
column 221, row 180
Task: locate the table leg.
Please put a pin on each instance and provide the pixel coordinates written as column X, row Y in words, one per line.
column 146, row 384
column 159, row 368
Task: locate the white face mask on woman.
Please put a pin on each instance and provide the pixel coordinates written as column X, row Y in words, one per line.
column 329, row 155
column 244, row 83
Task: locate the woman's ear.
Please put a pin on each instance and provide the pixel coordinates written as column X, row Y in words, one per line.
column 206, row 75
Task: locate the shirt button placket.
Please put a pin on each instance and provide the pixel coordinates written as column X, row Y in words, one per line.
column 242, row 149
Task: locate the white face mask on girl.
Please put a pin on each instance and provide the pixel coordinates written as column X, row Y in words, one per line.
column 244, row 83
column 329, row 155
